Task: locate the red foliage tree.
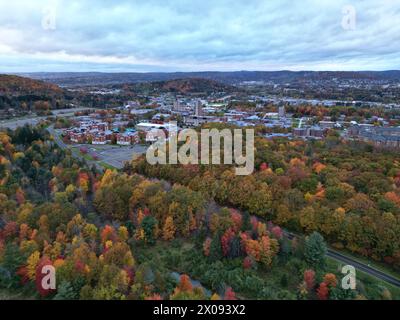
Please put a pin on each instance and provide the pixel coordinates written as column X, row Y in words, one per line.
column 108, row 233
column 277, row 232
column 10, row 230
column 230, row 294
column 323, row 291
column 309, row 279
column 131, row 274
column 79, row 266
column 247, row 263
column 254, row 222
column 154, row 297
column 330, row 280
column 184, row 283
column 146, row 212
column 236, row 219
column 226, row 241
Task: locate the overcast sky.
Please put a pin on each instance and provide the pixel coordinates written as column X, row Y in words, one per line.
column 199, row 35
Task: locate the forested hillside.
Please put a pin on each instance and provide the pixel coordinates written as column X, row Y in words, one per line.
column 27, row 94
column 180, row 86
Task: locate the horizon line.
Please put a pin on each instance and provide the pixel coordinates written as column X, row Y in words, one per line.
column 209, row 71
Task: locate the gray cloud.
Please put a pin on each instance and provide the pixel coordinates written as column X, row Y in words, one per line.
column 198, row 35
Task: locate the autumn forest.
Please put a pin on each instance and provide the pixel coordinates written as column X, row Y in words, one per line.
column 197, row 231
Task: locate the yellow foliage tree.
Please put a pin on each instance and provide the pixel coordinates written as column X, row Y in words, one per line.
column 169, row 229
column 32, row 263
column 123, row 233
column 215, row 297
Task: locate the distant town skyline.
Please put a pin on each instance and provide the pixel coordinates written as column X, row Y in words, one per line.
column 185, row 36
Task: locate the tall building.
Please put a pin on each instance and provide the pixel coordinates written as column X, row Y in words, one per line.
column 281, row 112
column 198, row 108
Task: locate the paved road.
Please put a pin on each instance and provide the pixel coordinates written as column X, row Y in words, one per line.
column 34, row 120
column 356, row 264
column 363, row 267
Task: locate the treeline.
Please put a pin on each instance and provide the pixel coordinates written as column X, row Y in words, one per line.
column 351, row 113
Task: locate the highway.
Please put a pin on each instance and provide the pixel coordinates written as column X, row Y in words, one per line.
column 356, row 264
column 363, row 267
column 34, row 120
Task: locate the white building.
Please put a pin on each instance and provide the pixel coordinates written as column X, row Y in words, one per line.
column 147, row 126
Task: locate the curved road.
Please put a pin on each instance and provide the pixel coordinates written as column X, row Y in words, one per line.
column 62, row 145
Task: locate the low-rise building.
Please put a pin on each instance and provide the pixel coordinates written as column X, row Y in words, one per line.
column 127, row 138
column 99, row 139
column 198, row 120
column 309, row 132
column 388, row 137
column 327, row 124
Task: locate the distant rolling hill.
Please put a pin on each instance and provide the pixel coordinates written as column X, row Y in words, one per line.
column 10, row 84
column 181, row 86
column 98, row 78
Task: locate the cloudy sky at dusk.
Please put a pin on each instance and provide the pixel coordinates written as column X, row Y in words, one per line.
column 180, row 35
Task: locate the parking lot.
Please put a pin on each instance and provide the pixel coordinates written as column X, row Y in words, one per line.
column 114, row 155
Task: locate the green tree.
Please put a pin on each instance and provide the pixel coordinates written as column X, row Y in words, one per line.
column 315, row 251
column 148, row 224
column 215, row 247
column 66, row 291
